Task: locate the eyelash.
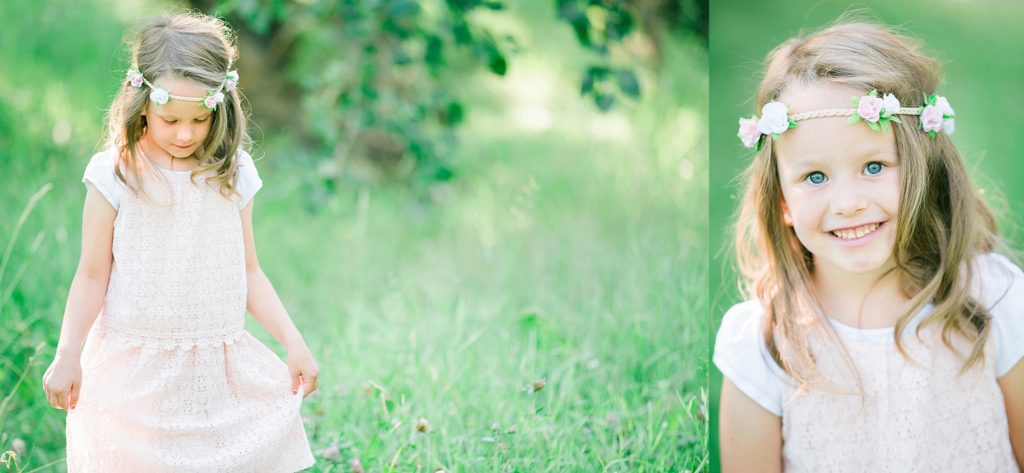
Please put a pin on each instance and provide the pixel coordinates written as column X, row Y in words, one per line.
column 807, row 177
column 171, row 122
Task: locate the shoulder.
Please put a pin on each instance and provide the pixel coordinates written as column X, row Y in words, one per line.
column 742, row 321
column 249, row 181
column 999, row 286
column 996, row 278
column 101, row 174
column 102, row 161
column 244, row 159
column 740, row 354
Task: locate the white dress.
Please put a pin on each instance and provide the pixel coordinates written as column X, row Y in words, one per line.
column 916, row 415
column 171, row 381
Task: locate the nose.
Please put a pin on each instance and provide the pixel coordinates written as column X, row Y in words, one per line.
column 185, row 134
column 848, row 197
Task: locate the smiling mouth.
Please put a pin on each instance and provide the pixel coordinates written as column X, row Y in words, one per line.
column 855, row 233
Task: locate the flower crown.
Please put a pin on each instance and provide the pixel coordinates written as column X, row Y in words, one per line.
column 936, row 115
column 161, row 96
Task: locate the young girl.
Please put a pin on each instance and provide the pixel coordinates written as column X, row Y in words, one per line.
column 883, row 333
column 168, row 379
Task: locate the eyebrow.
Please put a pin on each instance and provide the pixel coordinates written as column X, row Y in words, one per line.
column 867, row 153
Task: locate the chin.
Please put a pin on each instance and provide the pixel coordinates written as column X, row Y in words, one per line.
column 862, row 264
column 178, row 152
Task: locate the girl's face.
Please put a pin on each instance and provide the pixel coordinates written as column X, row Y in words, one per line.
column 177, row 128
column 840, row 184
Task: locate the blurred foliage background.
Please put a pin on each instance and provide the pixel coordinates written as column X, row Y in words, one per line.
column 979, row 44
column 489, row 219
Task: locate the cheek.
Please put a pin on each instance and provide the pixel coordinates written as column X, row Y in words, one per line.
column 204, row 129
column 889, row 192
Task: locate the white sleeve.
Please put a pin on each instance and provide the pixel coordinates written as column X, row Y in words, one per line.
column 100, row 173
column 741, row 356
column 1002, row 292
column 249, row 181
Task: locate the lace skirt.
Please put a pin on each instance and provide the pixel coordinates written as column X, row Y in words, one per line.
column 211, row 402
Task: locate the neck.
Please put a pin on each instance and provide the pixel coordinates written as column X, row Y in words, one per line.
column 867, row 300
column 161, row 158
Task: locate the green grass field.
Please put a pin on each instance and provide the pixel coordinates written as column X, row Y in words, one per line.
column 978, row 45
column 575, row 256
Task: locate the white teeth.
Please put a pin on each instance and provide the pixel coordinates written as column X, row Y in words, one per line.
column 855, row 233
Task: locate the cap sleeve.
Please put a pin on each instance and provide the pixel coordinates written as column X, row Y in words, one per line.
column 249, row 181
column 1000, row 286
column 741, row 356
column 100, row 173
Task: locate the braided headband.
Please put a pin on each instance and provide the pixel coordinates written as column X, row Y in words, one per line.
column 161, row 96
column 936, row 115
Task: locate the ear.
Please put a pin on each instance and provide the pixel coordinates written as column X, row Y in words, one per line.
column 786, row 218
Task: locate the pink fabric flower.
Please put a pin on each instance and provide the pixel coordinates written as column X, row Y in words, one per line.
column 931, row 118
column 232, row 81
column 870, row 108
column 135, row 77
column 749, row 133
column 210, row 102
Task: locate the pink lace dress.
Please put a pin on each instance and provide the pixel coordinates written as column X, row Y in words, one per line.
column 171, row 381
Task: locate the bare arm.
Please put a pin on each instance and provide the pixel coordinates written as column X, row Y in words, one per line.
column 1012, row 384
column 89, row 287
column 750, row 437
column 266, row 307
column 85, row 299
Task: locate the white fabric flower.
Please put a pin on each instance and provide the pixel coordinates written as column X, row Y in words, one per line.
column 159, row 96
column 943, row 105
column 890, row 105
column 774, row 118
column 948, row 126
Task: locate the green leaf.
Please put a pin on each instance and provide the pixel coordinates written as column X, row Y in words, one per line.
column 628, row 82
column 873, row 125
column 586, row 84
column 757, row 146
column 775, row 136
column 853, row 119
column 885, row 126
column 581, row 26
column 604, row 101
column 792, row 123
column 931, row 134
column 855, row 100
column 873, row 93
column 455, row 113
column 497, row 64
column 895, row 119
column 434, row 53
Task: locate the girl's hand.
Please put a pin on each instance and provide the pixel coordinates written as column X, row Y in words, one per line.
column 303, row 369
column 63, row 382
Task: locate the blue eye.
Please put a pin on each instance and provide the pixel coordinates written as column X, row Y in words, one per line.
column 816, row 177
column 874, row 168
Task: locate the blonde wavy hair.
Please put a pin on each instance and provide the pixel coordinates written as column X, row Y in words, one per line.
column 942, row 222
column 187, row 46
